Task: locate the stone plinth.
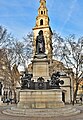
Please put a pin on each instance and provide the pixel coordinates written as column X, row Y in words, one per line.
column 40, row 69
column 40, row 98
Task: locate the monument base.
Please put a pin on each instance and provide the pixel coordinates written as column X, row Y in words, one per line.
column 40, row 67
column 51, row 98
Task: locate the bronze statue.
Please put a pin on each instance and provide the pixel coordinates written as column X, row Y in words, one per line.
column 40, row 43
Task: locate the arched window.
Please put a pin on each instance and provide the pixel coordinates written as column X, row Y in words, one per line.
column 41, row 12
column 41, row 22
column 44, row 12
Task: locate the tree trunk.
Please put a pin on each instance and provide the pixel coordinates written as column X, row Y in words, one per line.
column 76, row 90
column 15, row 96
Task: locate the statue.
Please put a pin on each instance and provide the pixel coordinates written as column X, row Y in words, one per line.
column 40, row 44
column 55, row 80
column 26, row 81
column 40, row 82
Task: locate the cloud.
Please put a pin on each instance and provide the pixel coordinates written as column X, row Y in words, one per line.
column 20, row 15
column 6, row 3
column 50, row 4
column 15, row 3
column 13, row 15
column 16, row 9
column 72, row 7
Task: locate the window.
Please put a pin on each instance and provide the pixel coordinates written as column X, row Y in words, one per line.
column 41, row 12
column 41, row 22
column 44, row 12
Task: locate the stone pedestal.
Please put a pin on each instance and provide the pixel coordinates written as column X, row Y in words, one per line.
column 51, row 98
column 40, row 68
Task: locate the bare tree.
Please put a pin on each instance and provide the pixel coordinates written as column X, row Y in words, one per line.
column 10, row 55
column 15, row 52
column 70, row 52
column 5, row 41
column 58, row 44
column 28, row 45
column 73, row 56
column 2, row 36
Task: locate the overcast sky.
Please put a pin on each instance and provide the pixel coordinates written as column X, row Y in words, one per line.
column 19, row 16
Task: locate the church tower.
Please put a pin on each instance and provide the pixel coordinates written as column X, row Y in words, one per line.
column 42, row 23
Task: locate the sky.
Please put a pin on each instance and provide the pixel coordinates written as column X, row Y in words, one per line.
column 19, row 16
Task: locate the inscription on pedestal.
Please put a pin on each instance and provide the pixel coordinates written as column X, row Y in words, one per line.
column 40, row 69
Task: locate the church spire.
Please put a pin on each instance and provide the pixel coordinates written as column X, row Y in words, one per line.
column 42, row 23
column 42, row 9
column 42, row 19
column 42, row 3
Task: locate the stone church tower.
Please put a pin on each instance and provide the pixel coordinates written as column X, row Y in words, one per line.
column 42, row 23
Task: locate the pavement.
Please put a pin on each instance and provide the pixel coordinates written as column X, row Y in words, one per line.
column 10, row 117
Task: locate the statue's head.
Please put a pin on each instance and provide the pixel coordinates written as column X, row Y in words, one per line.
column 40, row 32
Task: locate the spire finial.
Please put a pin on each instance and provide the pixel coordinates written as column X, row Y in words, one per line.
column 43, row 3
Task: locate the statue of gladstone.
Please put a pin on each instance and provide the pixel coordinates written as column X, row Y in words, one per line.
column 40, row 43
